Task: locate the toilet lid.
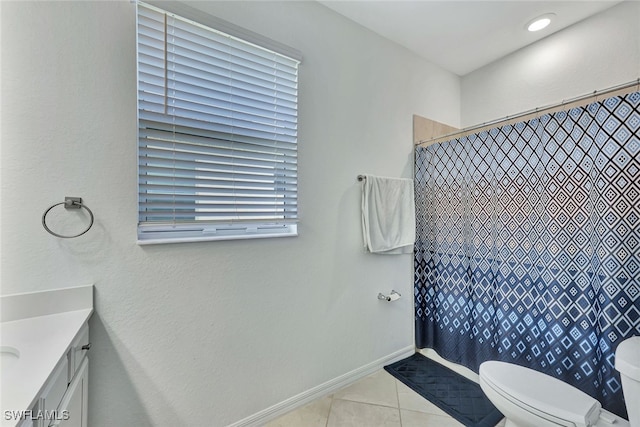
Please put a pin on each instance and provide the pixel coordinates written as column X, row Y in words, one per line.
column 628, row 358
column 541, row 392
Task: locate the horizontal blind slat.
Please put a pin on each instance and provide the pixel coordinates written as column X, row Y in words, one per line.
column 223, row 57
column 246, row 123
column 222, row 68
column 257, row 167
column 184, row 186
column 190, row 216
column 204, row 158
column 234, row 133
column 188, row 79
column 160, row 138
column 150, row 167
column 218, row 96
column 210, row 37
column 218, row 206
column 227, row 110
column 219, row 198
column 216, row 136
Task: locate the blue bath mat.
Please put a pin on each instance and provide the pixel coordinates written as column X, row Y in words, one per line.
column 458, row 396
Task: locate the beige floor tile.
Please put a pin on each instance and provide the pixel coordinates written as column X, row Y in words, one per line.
column 421, row 419
column 378, row 389
column 412, row 401
column 345, row 413
column 314, row 414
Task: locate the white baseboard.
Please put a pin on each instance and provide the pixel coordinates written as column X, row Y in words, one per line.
column 328, row 387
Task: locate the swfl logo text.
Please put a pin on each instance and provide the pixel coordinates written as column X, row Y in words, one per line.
column 37, row 415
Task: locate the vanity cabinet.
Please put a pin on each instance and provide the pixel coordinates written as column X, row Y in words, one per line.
column 44, row 383
column 63, row 401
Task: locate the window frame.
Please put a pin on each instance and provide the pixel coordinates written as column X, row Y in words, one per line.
column 149, row 232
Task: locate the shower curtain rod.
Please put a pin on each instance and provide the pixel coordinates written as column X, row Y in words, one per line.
column 564, row 103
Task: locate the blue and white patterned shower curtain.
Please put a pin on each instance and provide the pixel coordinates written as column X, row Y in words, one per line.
column 528, row 245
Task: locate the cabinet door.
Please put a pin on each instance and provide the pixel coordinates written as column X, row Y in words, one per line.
column 73, row 408
column 78, row 353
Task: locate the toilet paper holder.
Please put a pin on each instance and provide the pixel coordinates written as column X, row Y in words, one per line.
column 391, row 297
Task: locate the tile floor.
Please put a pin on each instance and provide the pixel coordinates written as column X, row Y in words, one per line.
column 376, row 400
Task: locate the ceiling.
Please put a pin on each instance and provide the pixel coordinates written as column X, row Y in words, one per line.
column 462, row 36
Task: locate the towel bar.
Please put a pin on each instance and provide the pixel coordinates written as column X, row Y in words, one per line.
column 69, row 203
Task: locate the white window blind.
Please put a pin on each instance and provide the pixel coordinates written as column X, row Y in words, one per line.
column 217, row 137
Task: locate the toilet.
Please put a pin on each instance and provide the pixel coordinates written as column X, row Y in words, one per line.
column 529, row 398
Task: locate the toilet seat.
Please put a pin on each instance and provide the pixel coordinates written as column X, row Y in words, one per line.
column 541, row 394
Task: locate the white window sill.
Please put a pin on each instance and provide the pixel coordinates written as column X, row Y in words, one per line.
column 192, row 237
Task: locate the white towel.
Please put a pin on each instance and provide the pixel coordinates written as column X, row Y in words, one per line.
column 388, row 215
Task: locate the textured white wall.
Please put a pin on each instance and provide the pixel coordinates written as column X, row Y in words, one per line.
column 594, row 54
column 208, row 333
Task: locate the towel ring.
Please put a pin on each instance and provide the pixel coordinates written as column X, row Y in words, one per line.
column 69, row 203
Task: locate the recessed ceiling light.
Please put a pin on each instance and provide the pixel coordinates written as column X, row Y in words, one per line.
column 540, row 22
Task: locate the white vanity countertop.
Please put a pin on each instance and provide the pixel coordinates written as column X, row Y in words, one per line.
column 43, row 341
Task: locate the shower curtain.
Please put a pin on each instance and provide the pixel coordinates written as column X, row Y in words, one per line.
column 528, row 245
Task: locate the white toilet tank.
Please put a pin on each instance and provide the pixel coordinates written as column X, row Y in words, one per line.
column 628, row 364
